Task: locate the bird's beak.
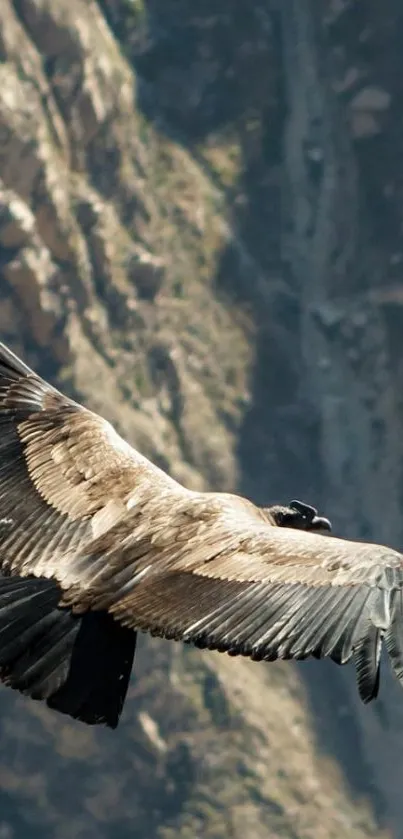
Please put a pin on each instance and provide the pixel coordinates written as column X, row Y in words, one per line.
column 320, row 524
column 310, row 518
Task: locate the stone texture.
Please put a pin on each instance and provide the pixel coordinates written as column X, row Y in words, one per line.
column 200, row 237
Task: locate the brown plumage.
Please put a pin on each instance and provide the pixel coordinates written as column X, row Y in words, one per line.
column 96, row 542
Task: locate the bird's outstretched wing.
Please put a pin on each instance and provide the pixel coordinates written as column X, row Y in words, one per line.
column 92, row 532
column 65, row 474
column 205, row 571
column 65, row 477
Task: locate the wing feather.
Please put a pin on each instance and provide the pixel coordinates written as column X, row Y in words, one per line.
column 78, row 505
column 394, row 635
column 367, row 655
column 65, row 475
column 240, row 586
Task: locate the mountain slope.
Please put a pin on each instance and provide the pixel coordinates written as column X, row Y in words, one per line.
column 200, row 219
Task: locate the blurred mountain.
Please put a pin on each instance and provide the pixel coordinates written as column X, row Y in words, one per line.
column 201, row 238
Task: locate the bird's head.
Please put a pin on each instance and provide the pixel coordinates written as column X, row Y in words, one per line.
column 300, row 516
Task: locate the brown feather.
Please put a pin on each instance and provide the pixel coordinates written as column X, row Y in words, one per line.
column 81, row 507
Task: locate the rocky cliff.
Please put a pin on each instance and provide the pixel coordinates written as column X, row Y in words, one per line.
column 201, row 238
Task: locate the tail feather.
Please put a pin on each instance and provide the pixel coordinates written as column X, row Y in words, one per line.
column 79, row 664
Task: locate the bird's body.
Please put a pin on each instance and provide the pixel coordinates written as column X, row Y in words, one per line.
column 97, row 543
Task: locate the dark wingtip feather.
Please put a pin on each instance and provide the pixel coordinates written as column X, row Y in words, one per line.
column 79, row 664
column 367, row 655
column 99, row 674
column 11, row 365
column 394, row 636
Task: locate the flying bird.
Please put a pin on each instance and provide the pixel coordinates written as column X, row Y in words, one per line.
column 97, row 543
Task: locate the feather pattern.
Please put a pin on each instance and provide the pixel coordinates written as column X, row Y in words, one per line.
column 89, row 528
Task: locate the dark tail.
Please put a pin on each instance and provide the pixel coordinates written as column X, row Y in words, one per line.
column 79, row 664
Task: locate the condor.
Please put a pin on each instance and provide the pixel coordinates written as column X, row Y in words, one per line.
column 97, row 543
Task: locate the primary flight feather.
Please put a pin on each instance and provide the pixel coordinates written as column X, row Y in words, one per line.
column 97, row 543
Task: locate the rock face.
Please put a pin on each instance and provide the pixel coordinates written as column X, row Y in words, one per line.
column 200, row 237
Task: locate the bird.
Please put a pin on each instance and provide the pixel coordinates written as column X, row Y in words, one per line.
column 97, row 544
